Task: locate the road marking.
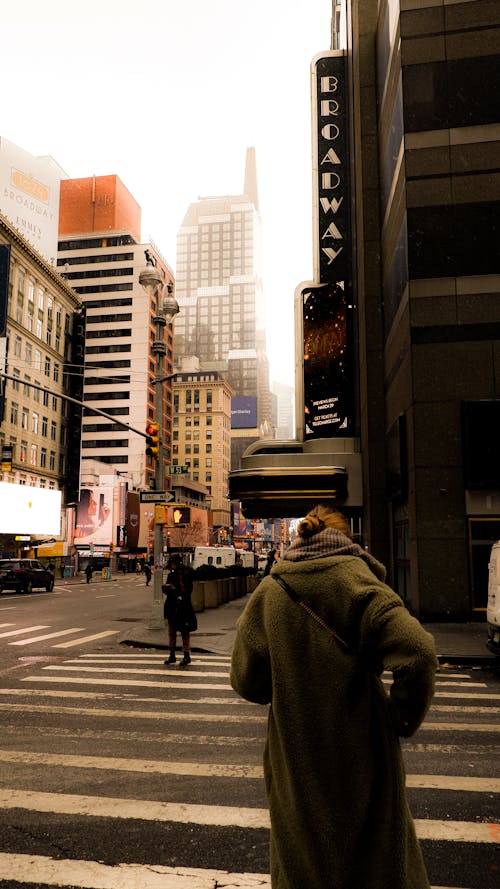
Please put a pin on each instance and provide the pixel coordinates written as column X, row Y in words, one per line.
column 128, row 670
column 6, row 625
column 212, row 816
column 217, row 770
column 93, row 875
column 482, row 696
column 137, row 714
column 86, row 639
column 130, row 683
column 145, row 766
column 106, row 695
column 18, row 868
column 48, row 636
column 453, row 782
column 459, row 727
column 25, row 630
column 456, row 708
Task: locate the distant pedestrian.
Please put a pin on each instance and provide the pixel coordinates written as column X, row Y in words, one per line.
column 178, row 608
column 147, row 572
column 313, row 642
column 271, row 558
column 88, row 572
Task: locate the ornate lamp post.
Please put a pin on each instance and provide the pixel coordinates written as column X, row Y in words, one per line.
column 166, row 310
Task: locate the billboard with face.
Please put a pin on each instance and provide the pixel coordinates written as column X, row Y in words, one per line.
column 94, row 516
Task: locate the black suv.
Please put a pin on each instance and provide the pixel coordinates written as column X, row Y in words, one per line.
column 24, row 575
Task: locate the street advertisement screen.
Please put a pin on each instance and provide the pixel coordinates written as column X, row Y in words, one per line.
column 27, row 510
column 243, row 412
column 94, row 516
column 328, row 372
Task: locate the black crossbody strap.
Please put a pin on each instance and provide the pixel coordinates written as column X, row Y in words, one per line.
column 296, row 598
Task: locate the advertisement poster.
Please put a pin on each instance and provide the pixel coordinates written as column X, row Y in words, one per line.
column 94, row 516
column 328, row 374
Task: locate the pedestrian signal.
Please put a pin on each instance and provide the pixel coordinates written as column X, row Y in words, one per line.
column 182, row 516
column 152, row 439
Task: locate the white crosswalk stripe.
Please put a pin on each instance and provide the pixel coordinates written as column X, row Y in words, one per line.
column 32, row 640
column 135, row 696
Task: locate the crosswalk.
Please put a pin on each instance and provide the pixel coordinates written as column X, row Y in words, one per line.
column 158, row 771
column 25, row 636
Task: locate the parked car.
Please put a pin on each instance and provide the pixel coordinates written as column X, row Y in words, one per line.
column 25, row 575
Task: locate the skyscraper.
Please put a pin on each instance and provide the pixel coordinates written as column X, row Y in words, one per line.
column 100, row 255
column 219, row 291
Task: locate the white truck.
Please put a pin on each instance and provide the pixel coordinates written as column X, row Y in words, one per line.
column 493, row 607
column 222, row 557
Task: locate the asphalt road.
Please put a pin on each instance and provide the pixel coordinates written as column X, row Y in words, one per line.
column 118, row 772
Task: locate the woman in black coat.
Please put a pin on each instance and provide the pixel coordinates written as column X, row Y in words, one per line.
column 178, row 609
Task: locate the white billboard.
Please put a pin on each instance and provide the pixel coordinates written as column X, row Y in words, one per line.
column 29, row 196
column 27, row 510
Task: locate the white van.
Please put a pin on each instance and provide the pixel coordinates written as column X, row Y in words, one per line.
column 219, row 556
column 222, row 557
column 493, row 608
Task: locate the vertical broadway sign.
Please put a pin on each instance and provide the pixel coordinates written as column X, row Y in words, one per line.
column 4, row 298
column 327, row 309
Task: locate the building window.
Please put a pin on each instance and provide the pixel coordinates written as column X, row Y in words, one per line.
column 14, row 408
column 34, row 423
column 52, row 461
column 24, row 451
column 47, row 367
column 25, row 418
column 53, row 430
column 33, row 455
column 43, row 458
column 45, row 422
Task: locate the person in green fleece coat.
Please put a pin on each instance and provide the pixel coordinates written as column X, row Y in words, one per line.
column 333, row 767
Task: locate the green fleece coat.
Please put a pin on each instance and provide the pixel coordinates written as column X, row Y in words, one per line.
column 333, row 768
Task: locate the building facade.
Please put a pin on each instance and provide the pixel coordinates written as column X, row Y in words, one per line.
column 426, row 142
column 201, row 439
column 219, row 290
column 41, row 341
column 101, row 256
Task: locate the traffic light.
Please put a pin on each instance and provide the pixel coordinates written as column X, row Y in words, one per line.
column 152, row 439
column 182, row 516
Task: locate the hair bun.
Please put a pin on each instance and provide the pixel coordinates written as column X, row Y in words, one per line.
column 312, row 524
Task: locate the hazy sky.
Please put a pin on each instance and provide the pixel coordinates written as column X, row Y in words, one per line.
column 168, row 94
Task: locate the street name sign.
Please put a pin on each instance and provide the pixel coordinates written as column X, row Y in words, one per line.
column 155, row 496
column 177, row 470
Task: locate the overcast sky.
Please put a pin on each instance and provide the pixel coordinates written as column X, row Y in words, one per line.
column 168, row 94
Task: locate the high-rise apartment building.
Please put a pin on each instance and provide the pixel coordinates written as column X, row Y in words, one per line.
column 219, row 291
column 100, row 255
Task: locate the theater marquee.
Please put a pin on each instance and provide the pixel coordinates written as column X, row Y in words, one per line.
column 326, row 304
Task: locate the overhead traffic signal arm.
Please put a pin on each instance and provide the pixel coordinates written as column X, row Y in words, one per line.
column 153, row 440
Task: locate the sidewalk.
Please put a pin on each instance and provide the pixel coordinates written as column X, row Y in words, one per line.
column 463, row 643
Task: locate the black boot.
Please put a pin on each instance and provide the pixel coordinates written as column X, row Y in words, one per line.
column 185, row 660
column 171, row 658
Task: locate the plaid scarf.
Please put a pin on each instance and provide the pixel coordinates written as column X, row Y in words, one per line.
column 331, row 542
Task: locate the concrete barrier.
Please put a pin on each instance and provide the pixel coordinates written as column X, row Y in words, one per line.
column 210, row 593
column 198, row 595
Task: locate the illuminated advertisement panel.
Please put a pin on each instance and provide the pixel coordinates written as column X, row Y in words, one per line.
column 27, row 510
column 94, row 516
column 243, row 412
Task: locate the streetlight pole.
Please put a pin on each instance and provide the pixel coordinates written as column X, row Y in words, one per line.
column 166, row 309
